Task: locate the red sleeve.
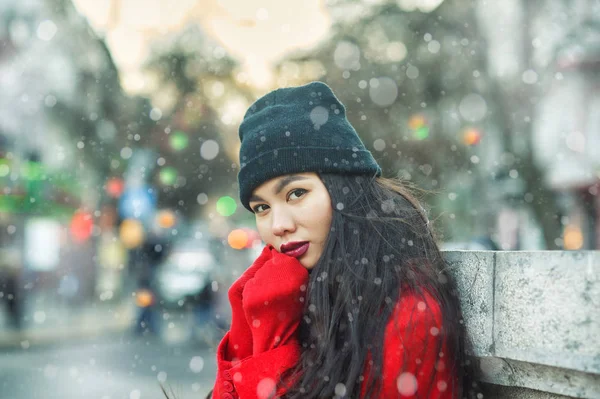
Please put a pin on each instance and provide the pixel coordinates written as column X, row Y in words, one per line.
column 413, row 360
column 254, row 377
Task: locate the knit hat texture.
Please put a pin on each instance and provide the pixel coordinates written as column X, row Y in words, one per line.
column 296, row 130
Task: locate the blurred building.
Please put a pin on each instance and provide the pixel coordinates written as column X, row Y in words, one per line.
column 546, row 57
column 567, row 131
column 60, row 110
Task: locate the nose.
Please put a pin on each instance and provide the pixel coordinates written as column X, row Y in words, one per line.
column 282, row 222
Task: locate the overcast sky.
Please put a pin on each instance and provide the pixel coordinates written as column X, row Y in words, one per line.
column 257, row 33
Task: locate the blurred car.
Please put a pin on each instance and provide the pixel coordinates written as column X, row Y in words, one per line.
column 185, row 272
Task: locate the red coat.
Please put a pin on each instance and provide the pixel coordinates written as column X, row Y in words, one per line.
column 253, row 374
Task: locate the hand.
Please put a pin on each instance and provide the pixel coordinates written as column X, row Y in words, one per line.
column 240, row 336
column 273, row 302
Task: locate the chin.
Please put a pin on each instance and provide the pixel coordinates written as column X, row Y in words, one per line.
column 307, row 264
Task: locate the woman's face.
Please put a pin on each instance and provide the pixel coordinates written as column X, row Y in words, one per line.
column 293, row 214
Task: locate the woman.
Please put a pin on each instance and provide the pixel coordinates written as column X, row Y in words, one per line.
column 349, row 297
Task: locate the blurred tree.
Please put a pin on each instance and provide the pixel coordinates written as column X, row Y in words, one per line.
column 418, row 84
column 415, row 77
column 404, row 77
column 201, row 104
column 76, row 109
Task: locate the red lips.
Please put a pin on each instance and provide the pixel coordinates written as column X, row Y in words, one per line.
column 291, row 246
column 295, row 249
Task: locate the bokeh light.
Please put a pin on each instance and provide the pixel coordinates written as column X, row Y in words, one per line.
column 422, row 133
column 115, row 187
column 473, row 107
column 82, row 224
column 226, row 206
column 383, row 91
column 166, row 218
column 131, row 233
column 416, row 121
column 418, row 124
column 178, row 140
column 238, row 239
column 254, row 240
column 202, row 199
column 168, row 175
column 347, row 56
column 471, row 136
column 144, row 298
column 209, row 150
column 573, row 237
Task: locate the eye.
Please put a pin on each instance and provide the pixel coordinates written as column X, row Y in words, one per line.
column 259, row 208
column 296, row 193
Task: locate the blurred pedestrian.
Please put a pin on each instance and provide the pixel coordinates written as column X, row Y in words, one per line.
column 203, row 303
column 12, row 296
column 150, row 255
column 349, row 298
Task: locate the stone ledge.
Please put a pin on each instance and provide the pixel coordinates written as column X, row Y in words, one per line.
column 570, row 383
column 533, row 317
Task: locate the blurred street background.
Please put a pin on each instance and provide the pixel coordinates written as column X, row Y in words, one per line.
column 120, row 225
column 108, row 368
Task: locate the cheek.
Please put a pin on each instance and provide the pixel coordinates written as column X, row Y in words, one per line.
column 264, row 232
column 324, row 224
column 318, row 219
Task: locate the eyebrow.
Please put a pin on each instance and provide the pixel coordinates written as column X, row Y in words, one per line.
column 280, row 186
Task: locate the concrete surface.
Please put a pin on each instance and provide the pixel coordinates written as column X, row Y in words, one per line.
column 533, row 318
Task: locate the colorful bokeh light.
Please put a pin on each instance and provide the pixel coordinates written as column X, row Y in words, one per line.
column 81, row 226
column 144, row 298
column 422, row 133
column 573, row 237
column 416, row 121
column 226, row 206
column 238, row 239
column 166, row 218
column 168, row 176
column 471, row 136
column 131, row 233
column 418, row 124
column 115, row 187
column 178, row 140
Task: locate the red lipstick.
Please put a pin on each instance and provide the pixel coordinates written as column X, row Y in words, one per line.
column 295, row 248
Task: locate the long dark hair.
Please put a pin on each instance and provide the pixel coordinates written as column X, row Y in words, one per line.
column 380, row 240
